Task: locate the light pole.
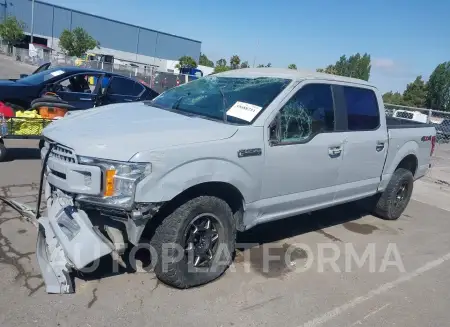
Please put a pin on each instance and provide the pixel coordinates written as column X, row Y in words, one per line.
column 32, row 20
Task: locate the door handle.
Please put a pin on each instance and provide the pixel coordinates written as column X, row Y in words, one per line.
column 85, row 99
column 380, row 146
column 334, row 152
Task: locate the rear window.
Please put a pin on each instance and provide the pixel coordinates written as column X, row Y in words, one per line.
column 362, row 109
column 124, row 86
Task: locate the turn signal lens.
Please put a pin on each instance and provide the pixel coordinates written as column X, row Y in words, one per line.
column 109, row 182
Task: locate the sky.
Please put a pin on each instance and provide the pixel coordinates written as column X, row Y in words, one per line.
column 405, row 38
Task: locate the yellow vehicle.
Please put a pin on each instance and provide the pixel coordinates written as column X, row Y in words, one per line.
column 86, row 58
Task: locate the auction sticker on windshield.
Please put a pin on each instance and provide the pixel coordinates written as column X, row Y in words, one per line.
column 244, row 111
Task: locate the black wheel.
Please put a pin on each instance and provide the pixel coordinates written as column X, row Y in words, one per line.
column 393, row 201
column 195, row 243
column 14, row 106
column 2, row 152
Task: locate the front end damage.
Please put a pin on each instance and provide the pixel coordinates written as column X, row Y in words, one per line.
column 73, row 233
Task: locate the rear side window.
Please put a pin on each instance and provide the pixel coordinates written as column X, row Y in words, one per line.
column 362, row 109
column 309, row 112
column 124, row 86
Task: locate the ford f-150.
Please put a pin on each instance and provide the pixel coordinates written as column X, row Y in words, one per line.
column 214, row 156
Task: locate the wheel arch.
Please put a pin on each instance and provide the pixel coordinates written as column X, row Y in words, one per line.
column 409, row 162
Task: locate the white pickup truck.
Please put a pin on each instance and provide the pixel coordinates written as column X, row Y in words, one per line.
column 214, row 156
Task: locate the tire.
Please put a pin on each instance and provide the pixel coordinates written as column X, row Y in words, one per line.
column 15, row 107
column 41, row 144
column 2, row 152
column 389, row 206
column 182, row 273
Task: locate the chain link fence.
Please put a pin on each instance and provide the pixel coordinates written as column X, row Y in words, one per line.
column 439, row 119
column 157, row 80
column 161, row 81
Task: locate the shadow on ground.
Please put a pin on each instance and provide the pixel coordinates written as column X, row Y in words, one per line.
column 271, row 235
column 22, row 154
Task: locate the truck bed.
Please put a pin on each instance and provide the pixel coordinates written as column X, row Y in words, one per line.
column 408, row 137
column 394, row 123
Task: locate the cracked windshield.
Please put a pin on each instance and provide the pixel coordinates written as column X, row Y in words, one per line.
column 213, row 96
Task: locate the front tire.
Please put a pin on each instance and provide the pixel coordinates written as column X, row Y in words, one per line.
column 195, row 243
column 393, row 201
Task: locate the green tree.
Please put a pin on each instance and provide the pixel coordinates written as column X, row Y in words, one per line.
column 220, row 69
column 186, row 62
column 292, row 66
column 357, row 66
column 77, row 42
column 245, row 64
column 221, row 66
column 438, row 95
column 204, row 61
column 221, row 62
column 269, row 65
column 415, row 93
column 11, row 31
column 260, row 66
column 393, row 98
column 235, row 61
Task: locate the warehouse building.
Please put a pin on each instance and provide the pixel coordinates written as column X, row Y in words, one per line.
column 126, row 42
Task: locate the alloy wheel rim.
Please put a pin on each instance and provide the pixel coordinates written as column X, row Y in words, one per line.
column 201, row 240
column 401, row 195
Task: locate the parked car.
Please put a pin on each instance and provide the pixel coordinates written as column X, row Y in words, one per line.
column 214, row 156
column 81, row 87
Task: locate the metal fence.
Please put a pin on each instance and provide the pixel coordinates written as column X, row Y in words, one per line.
column 161, row 81
column 158, row 80
column 439, row 119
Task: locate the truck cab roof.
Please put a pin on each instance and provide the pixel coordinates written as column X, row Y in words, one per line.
column 296, row 75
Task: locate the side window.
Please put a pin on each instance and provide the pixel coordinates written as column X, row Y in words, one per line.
column 80, row 83
column 124, row 86
column 310, row 111
column 362, row 109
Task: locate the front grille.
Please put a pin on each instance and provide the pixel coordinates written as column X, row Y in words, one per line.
column 63, row 153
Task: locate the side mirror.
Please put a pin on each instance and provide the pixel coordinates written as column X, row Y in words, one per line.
column 23, row 75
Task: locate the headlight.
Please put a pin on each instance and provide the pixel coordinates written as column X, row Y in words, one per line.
column 119, row 180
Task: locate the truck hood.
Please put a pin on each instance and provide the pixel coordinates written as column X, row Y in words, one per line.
column 119, row 131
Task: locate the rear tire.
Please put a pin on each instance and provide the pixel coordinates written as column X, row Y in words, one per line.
column 181, row 228
column 393, row 201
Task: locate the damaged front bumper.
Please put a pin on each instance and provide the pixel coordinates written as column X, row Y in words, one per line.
column 67, row 240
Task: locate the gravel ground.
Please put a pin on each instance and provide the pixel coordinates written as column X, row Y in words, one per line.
column 302, row 291
column 248, row 294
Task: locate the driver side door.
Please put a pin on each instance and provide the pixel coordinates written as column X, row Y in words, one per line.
column 79, row 100
column 303, row 153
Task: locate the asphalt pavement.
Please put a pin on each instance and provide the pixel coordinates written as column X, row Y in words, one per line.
column 403, row 282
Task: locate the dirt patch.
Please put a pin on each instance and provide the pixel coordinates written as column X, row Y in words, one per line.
column 273, row 260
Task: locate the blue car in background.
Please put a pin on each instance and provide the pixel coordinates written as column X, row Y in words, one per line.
column 81, row 88
column 193, row 73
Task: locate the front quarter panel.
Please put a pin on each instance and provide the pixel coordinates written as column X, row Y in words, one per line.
column 176, row 169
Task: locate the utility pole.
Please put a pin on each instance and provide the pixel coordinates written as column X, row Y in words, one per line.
column 254, row 58
column 32, row 20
